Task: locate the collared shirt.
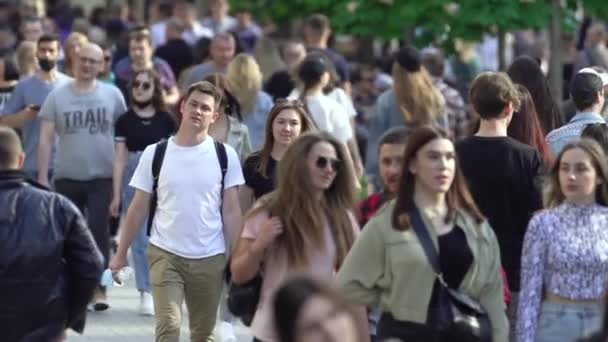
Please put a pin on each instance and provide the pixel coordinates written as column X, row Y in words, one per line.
column 558, row 138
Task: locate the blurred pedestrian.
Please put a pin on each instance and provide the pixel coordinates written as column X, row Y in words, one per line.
column 246, row 77
column 222, row 51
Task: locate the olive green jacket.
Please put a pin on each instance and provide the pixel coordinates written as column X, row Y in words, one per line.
column 387, row 268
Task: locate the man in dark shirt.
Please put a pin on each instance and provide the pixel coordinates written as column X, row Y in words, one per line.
column 503, row 174
column 317, row 31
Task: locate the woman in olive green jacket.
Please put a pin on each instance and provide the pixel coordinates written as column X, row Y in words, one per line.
column 387, row 267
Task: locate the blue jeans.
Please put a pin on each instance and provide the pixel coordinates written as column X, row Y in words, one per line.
column 140, row 244
column 568, row 322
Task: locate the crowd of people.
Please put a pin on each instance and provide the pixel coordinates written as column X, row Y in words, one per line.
column 429, row 199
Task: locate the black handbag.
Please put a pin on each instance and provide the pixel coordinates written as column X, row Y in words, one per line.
column 461, row 318
column 243, row 299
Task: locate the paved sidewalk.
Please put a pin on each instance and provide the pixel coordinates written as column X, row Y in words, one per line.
column 122, row 323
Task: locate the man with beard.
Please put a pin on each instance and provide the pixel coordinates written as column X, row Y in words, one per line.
column 21, row 111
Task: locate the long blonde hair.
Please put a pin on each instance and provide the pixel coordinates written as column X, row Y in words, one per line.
column 246, row 77
column 300, row 211
column 418, row 99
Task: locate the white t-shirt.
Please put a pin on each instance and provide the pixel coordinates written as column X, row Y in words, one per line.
column 188, row 222
column 337, row 94
column 330, row 116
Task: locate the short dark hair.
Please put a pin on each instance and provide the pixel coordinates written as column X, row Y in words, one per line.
column 48, row 38
column 140, row 33
column 205, row 87
column 394, row 136
column 10, row 147
column 318, row 23
column 434, row 62
column 491, row 92
column 584, row 88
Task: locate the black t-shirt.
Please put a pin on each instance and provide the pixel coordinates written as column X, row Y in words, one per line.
column 505, row 179
column 5, row 95
column 261, row 185
column 138, row 132
column 279, row 85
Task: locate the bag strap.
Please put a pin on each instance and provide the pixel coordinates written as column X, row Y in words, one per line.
column 426, row 242
column 157, row 163
column 222, row 157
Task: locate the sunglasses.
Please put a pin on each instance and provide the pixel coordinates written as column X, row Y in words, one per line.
column 107, row 58
column 143, row 85
column 322, row 163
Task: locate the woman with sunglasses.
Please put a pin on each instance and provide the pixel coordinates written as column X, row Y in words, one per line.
column 286, row 121
column 305, row 225
column 145, row 123
column 387, row 266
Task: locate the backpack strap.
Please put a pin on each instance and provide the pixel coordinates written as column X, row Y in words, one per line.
column 157, row 163
column 222, row 157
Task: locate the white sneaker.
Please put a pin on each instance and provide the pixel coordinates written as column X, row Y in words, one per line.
column 226, row 332
column 146, row 304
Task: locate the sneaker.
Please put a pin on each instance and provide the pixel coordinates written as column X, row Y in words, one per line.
column 226, row 332
column 146, row 304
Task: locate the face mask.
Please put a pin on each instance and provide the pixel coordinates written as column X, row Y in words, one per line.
column 46, row 64
column 142, row 104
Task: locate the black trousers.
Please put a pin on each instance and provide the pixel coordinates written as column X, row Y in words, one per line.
column 93, row 198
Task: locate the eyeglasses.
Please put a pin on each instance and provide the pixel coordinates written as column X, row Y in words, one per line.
column 322, row 163
column 143, row 85
column 87, row 60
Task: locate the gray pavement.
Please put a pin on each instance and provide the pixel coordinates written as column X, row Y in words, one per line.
column 122, row 323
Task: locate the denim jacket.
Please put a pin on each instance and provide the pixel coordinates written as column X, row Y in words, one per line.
column 387, row 115
column 238, row 138
column 256, row 120
column 558, row 138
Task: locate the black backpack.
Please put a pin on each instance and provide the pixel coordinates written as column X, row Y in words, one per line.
column 157, row 163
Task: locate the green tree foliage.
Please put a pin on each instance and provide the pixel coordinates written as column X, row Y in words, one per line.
column 435, row 20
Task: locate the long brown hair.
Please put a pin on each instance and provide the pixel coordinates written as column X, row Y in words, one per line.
column 458, row 196
column 300, row 211
column 525, row 126
column 158, row 100
column 554, row 195
column 229, row 104
column 418, row 99
column 305, row 122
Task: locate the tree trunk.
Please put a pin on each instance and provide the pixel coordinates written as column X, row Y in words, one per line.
column 502, row 50
column 556, row 76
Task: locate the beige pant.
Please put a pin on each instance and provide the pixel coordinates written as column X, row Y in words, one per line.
column 198, row 281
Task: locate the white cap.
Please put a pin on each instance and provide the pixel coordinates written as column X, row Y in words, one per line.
column 603, row 76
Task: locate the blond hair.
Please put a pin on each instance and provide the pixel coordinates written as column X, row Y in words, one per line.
column 246, row 77
column 418, row 99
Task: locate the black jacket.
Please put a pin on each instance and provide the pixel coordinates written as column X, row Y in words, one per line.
column 49, row 262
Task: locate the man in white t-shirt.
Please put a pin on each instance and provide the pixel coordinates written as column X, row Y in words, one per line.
column 187, row 253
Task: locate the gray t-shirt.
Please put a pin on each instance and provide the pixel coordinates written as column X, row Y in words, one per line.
column 31, row 91
column 200, row 71
column 83, row 122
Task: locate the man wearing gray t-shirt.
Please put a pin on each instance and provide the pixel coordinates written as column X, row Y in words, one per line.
column 82, row 114
column 21, row 111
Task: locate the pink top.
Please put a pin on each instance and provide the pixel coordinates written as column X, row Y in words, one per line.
column 275, row 270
